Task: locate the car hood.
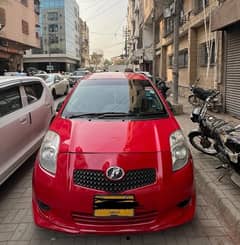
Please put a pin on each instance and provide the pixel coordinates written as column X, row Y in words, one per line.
column 114, row 136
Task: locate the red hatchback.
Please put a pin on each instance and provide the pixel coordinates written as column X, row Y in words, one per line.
column 113, row 161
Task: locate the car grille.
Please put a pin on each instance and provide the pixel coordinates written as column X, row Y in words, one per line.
column 139, row 218
column 96, row 179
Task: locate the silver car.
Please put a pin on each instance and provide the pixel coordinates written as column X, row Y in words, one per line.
column 57, row 84
column 26, row 109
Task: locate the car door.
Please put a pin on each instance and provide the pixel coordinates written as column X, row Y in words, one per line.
column 14, row 130
column 40, row 109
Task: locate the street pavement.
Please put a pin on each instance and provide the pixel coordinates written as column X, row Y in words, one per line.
column 17, row 227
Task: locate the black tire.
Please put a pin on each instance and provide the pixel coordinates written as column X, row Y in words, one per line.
column 54, row 94
column 193, row 100
column 198, row 145
column 66, row 92
column 215, row 108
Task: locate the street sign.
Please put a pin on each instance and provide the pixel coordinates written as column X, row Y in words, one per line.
column 50, row 68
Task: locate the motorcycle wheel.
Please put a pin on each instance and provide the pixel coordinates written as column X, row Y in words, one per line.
column 214, row 108
column 202, row 144
column 193, row 100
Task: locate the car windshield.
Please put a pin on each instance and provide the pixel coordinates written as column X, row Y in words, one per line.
column 79, row 73
column 114, row 98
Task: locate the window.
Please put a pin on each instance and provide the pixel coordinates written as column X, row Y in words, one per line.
column 53, row 28
column 10, row 101
column 203, row 54
column 53, row 38
column 198, row 5
column 168, row 26
column 25, row 27
column 24, row 2
column 170, row 61
column 182, row 59
column 53, row 16
column 33, row 92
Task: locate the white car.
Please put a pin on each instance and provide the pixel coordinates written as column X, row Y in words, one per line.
column 26, row 109
column 57, row 84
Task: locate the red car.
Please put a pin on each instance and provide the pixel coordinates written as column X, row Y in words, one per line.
column 113, row 161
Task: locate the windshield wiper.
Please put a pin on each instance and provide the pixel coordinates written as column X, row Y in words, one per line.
column 78, row 115
column 99, row 115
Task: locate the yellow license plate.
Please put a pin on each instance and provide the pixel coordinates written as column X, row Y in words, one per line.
column 114, row 205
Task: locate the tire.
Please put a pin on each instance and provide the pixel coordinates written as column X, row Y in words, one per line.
column 193, row 100
column 199, row 145
column 54, row 94
column 66, row 92
column 215, row 108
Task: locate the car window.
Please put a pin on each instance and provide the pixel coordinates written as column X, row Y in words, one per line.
column 50, row 79
column 57, row 78
column 10, row 101
column 33, row 92
column 133, row 96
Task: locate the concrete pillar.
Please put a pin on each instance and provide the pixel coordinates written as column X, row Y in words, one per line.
column 192, row 56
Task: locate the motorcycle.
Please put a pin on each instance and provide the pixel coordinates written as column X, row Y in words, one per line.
column 199, row 95
column 217, row 138
column 164, row 89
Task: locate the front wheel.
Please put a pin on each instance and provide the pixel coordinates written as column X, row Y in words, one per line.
column 194, row 100
column 202, row 143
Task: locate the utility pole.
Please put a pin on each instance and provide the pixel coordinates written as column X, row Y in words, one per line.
column 154, row 42
column 176, row 50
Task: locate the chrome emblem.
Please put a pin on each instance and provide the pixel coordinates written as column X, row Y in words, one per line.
column 115, row 173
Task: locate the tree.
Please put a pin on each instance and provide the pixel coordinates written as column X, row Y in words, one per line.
column 107, row 63
column 96, row 59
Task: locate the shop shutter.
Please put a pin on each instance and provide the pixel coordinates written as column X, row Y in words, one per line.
column 232, row 89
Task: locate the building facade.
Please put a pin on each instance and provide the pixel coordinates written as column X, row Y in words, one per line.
column 226, row 22
column 60, row 37
column 17, row 33
column 84, row 43
column 199, row 48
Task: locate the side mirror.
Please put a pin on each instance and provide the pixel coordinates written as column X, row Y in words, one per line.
column 59, row 106
column 57, row 81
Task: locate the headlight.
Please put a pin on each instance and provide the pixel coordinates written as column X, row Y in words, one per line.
column 179, row 150
column 49, row 151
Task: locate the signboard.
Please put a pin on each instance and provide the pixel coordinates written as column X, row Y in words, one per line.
column 50, row 68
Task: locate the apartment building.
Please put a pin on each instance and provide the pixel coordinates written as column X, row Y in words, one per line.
column 84, row 43
column 60, row 37
column 199, row 48
column 19, row 31
column 225, row 21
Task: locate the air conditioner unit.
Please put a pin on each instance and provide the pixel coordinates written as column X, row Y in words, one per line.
column 167, row 13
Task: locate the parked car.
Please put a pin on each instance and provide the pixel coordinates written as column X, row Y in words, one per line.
column 113, row 161
column 57, row 84
column 26, row 109
column 77, row 76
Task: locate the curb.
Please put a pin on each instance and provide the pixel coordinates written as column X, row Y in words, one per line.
column 226, row 209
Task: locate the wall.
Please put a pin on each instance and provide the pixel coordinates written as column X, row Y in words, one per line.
column 15, row 13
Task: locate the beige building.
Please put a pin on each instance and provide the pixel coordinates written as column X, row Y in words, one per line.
column 200, row 49
column 84, row 43
column 18, row 31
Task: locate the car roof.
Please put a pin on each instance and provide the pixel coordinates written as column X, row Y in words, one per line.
column 7, row 81
column 116, row 76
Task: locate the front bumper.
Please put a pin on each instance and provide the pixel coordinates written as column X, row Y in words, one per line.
column 161, row 205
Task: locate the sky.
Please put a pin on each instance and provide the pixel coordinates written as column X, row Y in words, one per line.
column 106, row 20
